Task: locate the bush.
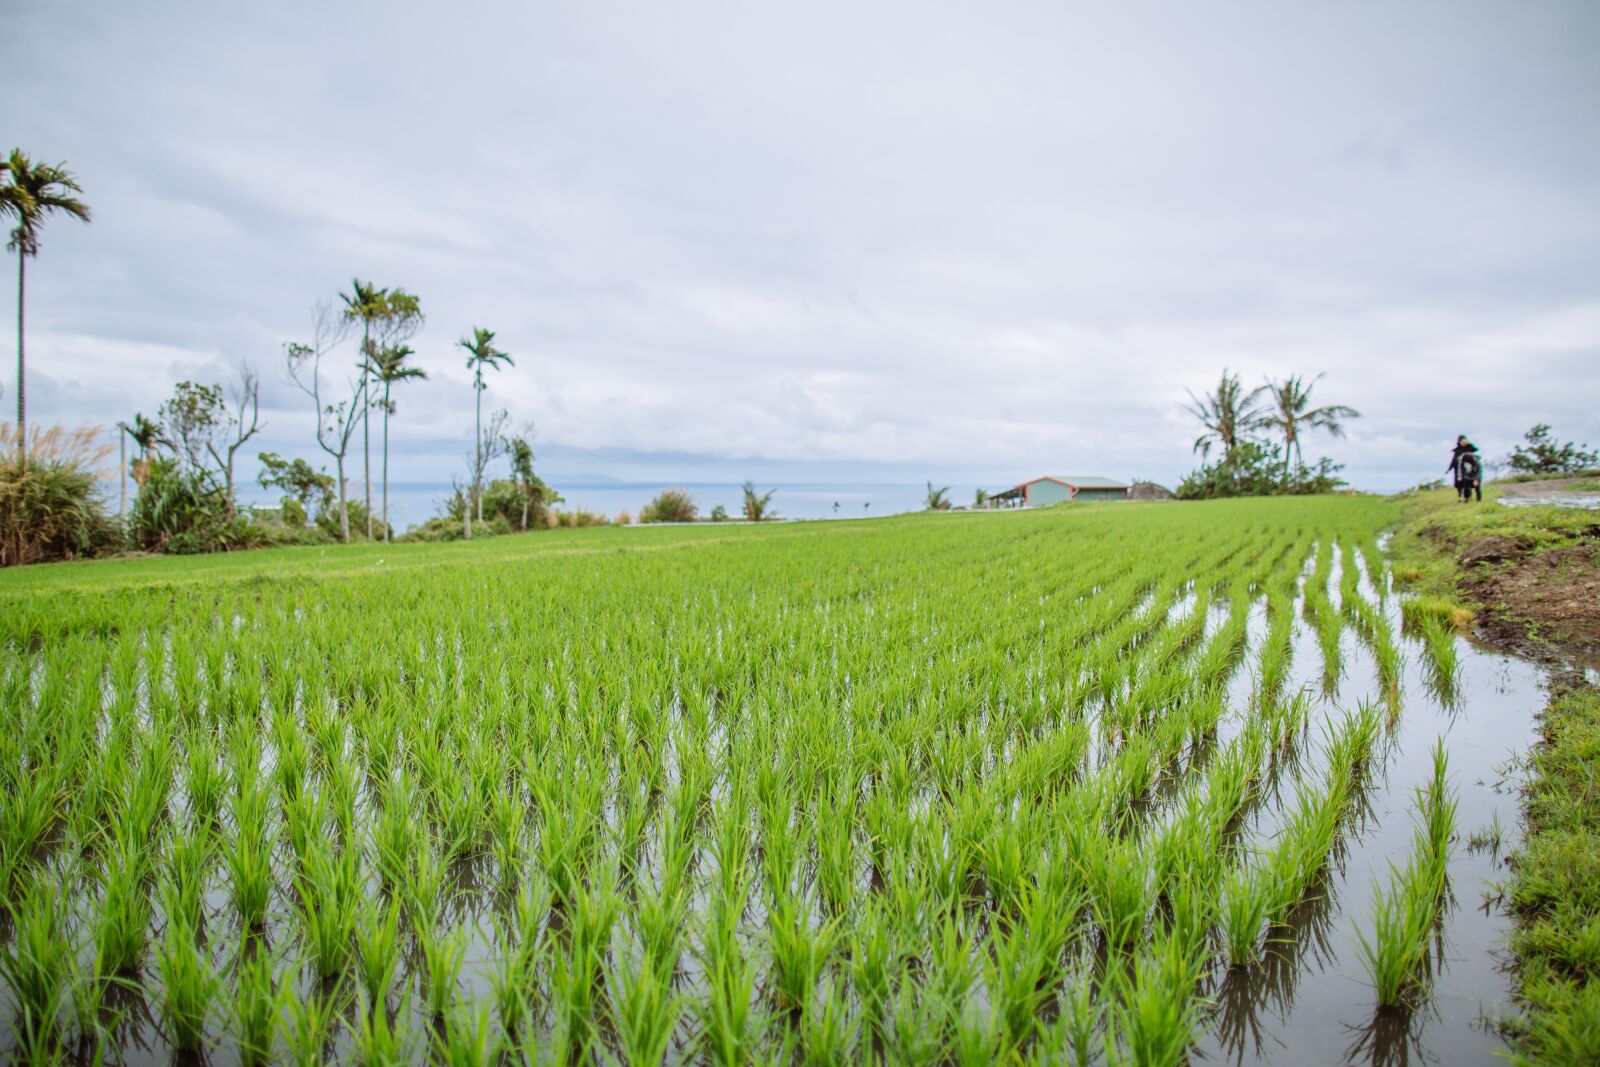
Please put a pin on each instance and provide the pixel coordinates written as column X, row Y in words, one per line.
column 437, row 529
column 182, row 511
column 1257, row 469
column 670, row 505
column 523, row 506
column 50, row 509
column 574, row 519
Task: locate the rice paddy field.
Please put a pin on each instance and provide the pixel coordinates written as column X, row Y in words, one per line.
column 1106, row 784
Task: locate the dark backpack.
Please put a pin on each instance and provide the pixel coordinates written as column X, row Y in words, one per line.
column 1468, row 468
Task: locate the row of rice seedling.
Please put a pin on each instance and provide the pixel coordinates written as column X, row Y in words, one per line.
column 917, row 789
column 1399, row 953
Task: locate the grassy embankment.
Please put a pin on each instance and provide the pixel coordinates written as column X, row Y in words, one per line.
column 1527, row 581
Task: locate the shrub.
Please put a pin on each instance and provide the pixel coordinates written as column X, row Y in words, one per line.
column 183, row 511
column 758, row 506
column 51, row 508
column 523, row 505
column 670, row 505
column 575, row 519
column 439, row 528
column 623, row 518
column 1256, row 469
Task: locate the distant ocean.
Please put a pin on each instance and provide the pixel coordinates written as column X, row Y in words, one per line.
column 411, row 503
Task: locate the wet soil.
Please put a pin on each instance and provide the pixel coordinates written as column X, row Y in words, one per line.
column 1544, row 605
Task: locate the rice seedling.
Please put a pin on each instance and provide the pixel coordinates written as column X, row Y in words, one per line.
column 311, row 1022
column 645, row 1011
column 1404, row 915
column 442, row 955
column 379, row 1041
column 188, row 984
column 123, row 913
column 377, row 943
column 467, row 1039
column 254, row 1008
column 36, row 966
column 248, row 860
column 1444, row 665
column 1246, row 904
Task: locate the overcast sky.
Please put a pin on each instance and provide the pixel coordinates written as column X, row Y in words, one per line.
column 966, row 242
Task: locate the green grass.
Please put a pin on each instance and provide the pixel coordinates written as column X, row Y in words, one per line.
column 1556, row 890
column 943, row 788
column 1436, row 527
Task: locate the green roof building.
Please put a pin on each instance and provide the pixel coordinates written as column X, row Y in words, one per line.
column 1059, row 489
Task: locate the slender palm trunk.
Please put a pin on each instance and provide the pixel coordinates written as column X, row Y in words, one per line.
column 366, row 449
column 344, row 505
column 386, row 461
column 477, row 451
column 22, row 385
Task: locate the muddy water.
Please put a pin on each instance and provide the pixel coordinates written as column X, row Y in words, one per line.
column 1311, row 1001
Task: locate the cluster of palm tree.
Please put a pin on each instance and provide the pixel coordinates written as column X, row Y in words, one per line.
column 29, row 194
column 1232, row 415
column 388, row 318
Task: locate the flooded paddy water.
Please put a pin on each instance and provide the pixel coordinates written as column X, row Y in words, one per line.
column 1310, row 1001
column 860, row 820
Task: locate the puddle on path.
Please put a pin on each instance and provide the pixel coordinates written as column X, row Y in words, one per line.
column 1586, row 501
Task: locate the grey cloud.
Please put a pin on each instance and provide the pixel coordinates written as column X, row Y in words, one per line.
column 853, row 238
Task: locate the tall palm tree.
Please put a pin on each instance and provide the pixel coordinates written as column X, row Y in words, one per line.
column 1292, row 413
column 365, row 303
column 1228, row 415
column 390, row 367
column 29, row 193
column 481, row 353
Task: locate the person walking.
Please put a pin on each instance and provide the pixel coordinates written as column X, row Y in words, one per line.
column 1467, row 468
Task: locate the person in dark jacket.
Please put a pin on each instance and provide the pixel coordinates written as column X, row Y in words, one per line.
column 1467, row 468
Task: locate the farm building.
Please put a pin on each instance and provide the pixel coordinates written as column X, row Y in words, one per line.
column 1058, row 489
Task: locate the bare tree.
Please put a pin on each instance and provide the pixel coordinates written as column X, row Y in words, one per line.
column 242, row 423
column 336, row 422
column 490, row 446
